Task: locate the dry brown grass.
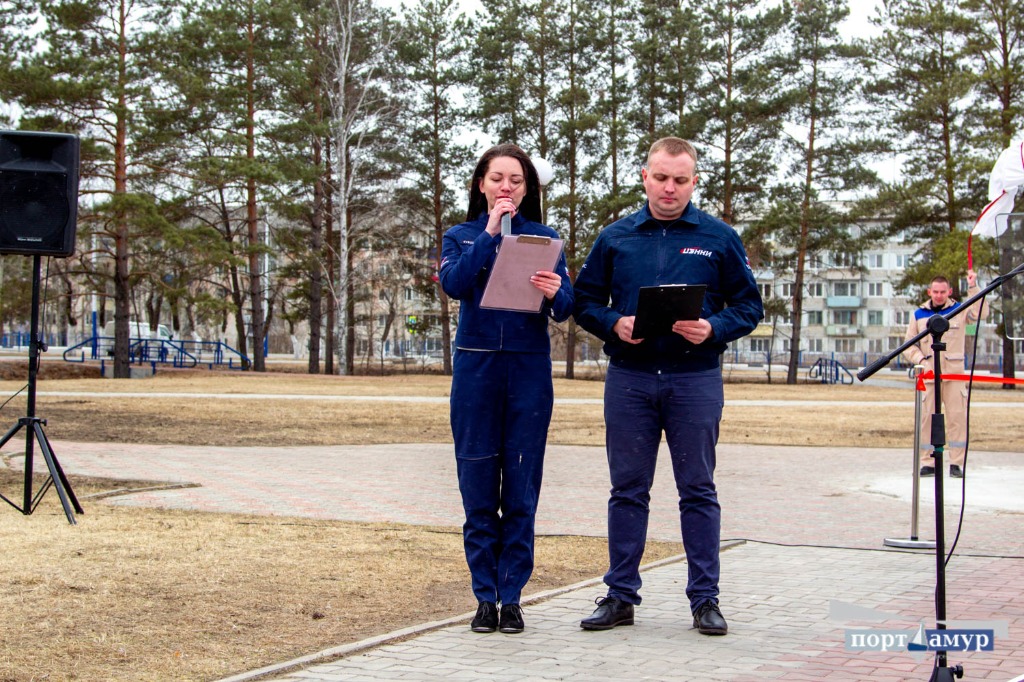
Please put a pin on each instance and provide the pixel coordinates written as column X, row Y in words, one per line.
column 312, row 422
column 136, row 594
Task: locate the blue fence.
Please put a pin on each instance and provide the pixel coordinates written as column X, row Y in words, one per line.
column 21, row 340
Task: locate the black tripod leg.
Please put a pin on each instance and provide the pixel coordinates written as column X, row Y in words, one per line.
column 10, row 434
column 44, row 443
column 56, row 475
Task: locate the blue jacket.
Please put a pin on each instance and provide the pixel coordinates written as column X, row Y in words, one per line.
column 467, row 254
column 641, row 251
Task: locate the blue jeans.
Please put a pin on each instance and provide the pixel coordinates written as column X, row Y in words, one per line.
column 638, row 407
column 500, row 411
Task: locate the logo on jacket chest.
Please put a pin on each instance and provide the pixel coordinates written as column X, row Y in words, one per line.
column 695, row 251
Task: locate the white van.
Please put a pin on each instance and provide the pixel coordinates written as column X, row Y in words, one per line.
column 140, row 331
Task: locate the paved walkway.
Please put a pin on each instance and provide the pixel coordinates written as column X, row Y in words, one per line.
column 803, row 563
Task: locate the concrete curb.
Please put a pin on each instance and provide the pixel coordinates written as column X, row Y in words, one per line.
column 397, row 635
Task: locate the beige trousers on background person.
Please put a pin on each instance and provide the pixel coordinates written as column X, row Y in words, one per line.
column 954, row 407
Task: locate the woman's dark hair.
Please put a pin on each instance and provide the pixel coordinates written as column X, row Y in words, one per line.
column 530, row 206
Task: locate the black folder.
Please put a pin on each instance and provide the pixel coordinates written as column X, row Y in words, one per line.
column 659, row 307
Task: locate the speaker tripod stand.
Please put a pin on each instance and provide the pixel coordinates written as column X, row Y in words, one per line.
column 33, row 426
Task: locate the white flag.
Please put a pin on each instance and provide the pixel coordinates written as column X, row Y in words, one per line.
column 1007, row 176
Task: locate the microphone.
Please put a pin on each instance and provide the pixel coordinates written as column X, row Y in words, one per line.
column 506, row 224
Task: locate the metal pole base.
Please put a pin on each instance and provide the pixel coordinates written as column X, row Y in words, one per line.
column 909, row 543
column 944, row 674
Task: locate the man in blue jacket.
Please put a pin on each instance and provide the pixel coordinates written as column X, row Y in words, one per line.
column 670, row 383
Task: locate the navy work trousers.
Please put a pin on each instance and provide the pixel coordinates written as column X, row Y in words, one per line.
column 638, row 407
column 500, row 411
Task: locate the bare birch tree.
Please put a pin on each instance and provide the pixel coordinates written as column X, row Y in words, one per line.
column 363, row 38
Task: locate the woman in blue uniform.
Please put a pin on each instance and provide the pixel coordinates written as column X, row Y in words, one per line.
column 502, row 394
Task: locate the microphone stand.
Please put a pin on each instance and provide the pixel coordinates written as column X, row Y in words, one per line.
column 938, row 324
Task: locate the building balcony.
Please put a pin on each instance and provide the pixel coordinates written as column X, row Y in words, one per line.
column 843, row 301
column 841, row 330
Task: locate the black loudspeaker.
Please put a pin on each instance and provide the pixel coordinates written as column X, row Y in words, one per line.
column 38, row 193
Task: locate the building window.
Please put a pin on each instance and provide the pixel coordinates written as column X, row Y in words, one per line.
column 844, row 259
column 876, row 289
column 759, row 345
column 875, row 319
column 815, row 317
column 816, row 289
column 902, row 261
column 410, row 294
column 844, row 288
column 875, row 345
column 815, row 345
column 895, row 342
column 786, row 290
column 785, row 345
column 902, row 317
column 766, row 290
column 845, row 345
column 844, row 317
column 875, row 260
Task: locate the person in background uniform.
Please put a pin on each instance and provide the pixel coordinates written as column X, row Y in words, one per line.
column 669, row 384
column 954, row 393
column 502, row 393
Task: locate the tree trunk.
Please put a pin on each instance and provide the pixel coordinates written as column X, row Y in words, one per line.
column 252, row 215
column 316, row 247
column 122, row 284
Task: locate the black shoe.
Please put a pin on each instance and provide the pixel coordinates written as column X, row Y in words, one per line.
column 511, row 619
column 927, row 471
column 708, row 619
column 955, row 471
column 610, row 612
column 486, row 619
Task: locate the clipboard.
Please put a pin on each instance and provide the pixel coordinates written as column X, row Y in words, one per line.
column 658, row 307
column 520, row 256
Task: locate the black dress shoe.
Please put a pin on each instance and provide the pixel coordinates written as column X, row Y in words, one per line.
column 955, row 471
column 486, row 619
column 511, row 619
column 708, row 619
column 927, row 471
column 610, row 612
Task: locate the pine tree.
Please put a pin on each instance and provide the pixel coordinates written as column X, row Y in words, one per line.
column 614, row 169
column 577, row 123
column 827, row 158
column 743, row 102
column 500, row 70
column 15, row 44
column 652, row 45
column 299, row 146
column 93, row 74
column 995, row 42
column 920, row 79
column 436, row 57
column 232, row 56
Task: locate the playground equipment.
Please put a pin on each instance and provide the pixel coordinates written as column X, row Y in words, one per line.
column 183, row 354
column 830, row 371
